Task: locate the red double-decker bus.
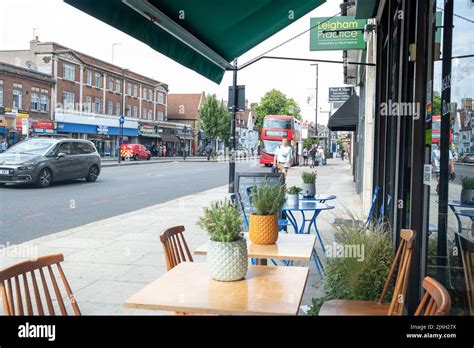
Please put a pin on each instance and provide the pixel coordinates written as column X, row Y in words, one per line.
column 275, row 128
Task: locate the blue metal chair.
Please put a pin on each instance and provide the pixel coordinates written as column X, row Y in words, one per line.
column 382, row 209
column 372, row 206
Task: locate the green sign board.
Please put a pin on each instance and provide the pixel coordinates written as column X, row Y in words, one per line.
column 338, row 33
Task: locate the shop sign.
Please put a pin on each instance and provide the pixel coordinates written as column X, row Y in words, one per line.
column 340, row 94
column 104, row 130
column 147, row 129
column 43, row 126
column 337, row 33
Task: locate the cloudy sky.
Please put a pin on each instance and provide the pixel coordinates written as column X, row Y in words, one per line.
column 53, row 20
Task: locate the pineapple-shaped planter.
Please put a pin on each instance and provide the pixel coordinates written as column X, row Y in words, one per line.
column 227, row 261
column 263, row 229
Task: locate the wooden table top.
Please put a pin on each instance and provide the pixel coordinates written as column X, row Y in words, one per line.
column 296, row 247
column 188, row 288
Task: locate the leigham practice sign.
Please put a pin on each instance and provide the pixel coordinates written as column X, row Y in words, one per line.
column 338, row 33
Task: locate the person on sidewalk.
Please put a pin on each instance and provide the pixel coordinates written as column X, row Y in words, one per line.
column 208, row 150
column 305, row 156
column 435, row 163
column 282, row 157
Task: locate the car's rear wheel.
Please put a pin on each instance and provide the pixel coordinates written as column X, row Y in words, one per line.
column 136, row 157
column 45, row 177
column 93, row 174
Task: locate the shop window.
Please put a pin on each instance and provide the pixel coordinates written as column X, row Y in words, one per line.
column 1, row 95
column 17, row 98
column 69, row 72
column 44, row 103
column 34, row 102
column 68, row 100
column 88, row 77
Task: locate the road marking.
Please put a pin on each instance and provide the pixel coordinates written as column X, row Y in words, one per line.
column 32, row 216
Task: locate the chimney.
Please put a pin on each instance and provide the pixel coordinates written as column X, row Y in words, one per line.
column 34, row 43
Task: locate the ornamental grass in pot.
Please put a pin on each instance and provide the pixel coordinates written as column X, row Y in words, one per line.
column 292, row 197
column 467, row 192
column 227, row 255
column 263, row 223
column 309, row 184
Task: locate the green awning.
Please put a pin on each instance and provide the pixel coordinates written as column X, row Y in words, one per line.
column 365, row 8
column 203, row 35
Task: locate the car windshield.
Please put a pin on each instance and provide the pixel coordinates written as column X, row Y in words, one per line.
column 31, row 147
column 269, row 146
column 276, row 123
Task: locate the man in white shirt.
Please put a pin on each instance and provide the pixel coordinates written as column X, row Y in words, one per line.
column 435, row 163
column 282, row 158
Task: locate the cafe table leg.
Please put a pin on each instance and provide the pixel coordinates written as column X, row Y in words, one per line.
column 262, row 262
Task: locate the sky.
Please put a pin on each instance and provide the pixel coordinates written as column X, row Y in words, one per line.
column 53, row 20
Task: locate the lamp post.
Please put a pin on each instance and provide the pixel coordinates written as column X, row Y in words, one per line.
column 316, row 107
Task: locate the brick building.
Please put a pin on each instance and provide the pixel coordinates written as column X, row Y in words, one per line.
column 25, row 100
column 89, row 95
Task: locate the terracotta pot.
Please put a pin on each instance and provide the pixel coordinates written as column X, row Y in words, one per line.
column 263, row 229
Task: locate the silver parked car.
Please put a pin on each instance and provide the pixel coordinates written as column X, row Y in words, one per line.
column 41, row 161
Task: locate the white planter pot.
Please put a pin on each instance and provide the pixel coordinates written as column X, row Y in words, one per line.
column 227, row 261
column 309, row 190
column 467, row 196
column 292, row 199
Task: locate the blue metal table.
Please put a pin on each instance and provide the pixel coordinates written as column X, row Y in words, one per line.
column 307, row 206
column 322, row 198
column 462, row 209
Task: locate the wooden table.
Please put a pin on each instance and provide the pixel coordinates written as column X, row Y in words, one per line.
column 188, row 288
column 296, row 247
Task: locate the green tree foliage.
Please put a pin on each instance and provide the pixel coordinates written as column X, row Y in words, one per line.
column 276, row 103
column 436, row 103
column 215, row 119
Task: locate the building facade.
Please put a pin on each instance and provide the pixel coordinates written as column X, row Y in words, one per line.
column 89, row 95
column 25, row 103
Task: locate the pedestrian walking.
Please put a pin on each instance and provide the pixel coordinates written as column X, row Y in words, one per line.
column 435, row 163
column 164, row 150
column 305, row 156
column 208, row 150
column 154, row 151
column 282, row 158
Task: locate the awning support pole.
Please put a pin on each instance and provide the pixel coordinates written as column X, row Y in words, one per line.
column 233, row 139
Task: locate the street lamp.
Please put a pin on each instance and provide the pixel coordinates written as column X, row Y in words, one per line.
column 316, row 107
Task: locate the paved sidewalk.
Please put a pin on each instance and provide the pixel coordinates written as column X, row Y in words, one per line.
column 109, row 260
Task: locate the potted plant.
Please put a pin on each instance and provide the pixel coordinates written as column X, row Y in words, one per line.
column 292, row 198
column 309, row 184
column 227, row 255
column 467, row 192
column 263, row 224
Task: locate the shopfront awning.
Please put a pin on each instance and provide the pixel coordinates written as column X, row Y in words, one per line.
column 347, row 116
column 169, row 138
column 202, row 35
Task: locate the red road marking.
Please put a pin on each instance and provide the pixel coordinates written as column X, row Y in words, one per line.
column 32, row 216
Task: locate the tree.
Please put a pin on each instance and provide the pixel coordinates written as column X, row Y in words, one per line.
column 215, row 119
column 276, row 103
column 436, row 103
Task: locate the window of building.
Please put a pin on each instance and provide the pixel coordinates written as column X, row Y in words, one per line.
column 69, row 72
column 117, row 109
column 88, row 105
column 144, row 113
column 117, row 86
column 34, row 101
column 135, row 111
column 135, row 90
column 129, row 89
column 17, row 98
column 161, row 116
column 44, row 103
column 98, row 80
column 110, row 108
column 129, row 111
column 111, row 84
column 88, row 77
column 68, row 100
column 150, row 114
column 144, row 95
column 1, row 95
column 150, row 95
column 161, row 98
column 98, row 105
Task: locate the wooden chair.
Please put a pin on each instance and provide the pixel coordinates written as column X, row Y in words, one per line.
column 436, row 300
column 395, row 307
column 175, row 247
column 14, row 279
column 467, row 257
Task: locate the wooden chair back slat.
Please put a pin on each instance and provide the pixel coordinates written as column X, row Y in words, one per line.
column 174, row 246
column 19, row 302
column 59, row 297
column 15, row 305
column 400, row 265
column 29, row 306
column 435, row 301
column 467, row 257
column 39, row 303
